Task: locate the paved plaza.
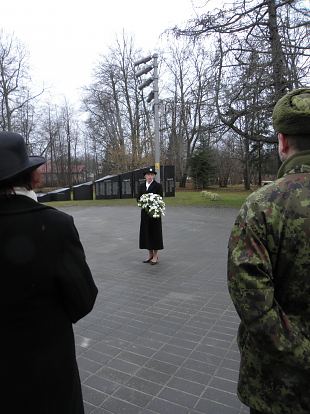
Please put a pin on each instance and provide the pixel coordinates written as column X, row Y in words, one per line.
column 161, row 339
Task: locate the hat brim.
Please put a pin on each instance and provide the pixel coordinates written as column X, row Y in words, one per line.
column 150, row 172
column 33, row 162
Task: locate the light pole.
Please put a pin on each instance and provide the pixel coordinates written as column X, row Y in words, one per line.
column 156, row 118
column 152, row 95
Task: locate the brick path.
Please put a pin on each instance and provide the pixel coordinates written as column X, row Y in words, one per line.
column 161, row 339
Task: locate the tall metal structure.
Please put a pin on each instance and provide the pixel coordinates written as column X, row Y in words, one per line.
column 152, row 95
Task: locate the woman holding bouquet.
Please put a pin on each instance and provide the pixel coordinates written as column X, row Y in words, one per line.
column 150, row 228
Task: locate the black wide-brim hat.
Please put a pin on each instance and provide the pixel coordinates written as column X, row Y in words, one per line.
column 149, row 171
column 14, row 159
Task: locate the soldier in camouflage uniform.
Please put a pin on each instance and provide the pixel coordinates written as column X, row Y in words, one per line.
column 269, row 273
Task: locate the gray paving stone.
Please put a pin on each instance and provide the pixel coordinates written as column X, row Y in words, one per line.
column 199, row 366
column 106, row 349
column 152, row 375
column 89, row 333
column 179, row 397
column 194, row 376
column 211, row 407
column 176, row 317
column 220, row 336
column 123, row 366
column 93, row 396
column 116, row 406
column 83, row 374
column 162, row 328
column 143, row 385
column 132, row 357
column 83, row 342
column 161, row 366
column 166, row 407
column 100, row 411
column 157, row 336
column 223, row 384
column 117, row 343
column 213, row 350
column 227, row 373
column 133, row 330
column 182, row 343
column 141, row 349
column 143, row 326
column 123, row 335
column 207, row 358
column 182, row 333
column 230, row 364
column 88, row 408
column 244, row 410
column 101, row 384
column 88, row 365
column 233, row 355
column 150, row 342
column 98, row 357
column 187, row 386
column 114, row 375
column 176, row 350
column 222, row 397
column 220, row 343
column 162, row 335
column 103, row 329
column 169, row 358
column 133, row 396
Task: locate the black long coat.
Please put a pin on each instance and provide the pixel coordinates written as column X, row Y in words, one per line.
column 46, row 286
column 150, row 237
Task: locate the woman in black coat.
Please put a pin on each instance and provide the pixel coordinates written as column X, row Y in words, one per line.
column 46, row 285
column 151, row 237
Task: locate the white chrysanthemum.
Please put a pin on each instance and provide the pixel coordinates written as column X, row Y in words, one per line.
column 153, row 204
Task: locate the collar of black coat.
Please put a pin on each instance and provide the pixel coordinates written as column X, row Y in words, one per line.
column 150, row 184
column 299, row 163
column 16, row 204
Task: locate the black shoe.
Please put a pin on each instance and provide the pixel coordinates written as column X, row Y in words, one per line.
column 148, row 260
column 153, row 263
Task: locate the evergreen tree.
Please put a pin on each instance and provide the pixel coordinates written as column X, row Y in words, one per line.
column 202, row 168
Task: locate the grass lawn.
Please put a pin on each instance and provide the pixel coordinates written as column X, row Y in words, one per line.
column 228, row 197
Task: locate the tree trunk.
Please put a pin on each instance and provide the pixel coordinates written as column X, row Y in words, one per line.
column 183, row 180
column 278, row 59
column 246, row 170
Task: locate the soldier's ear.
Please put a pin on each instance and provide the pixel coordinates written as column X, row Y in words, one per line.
column 283, row 145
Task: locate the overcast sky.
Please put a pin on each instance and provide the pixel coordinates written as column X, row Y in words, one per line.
column 66, row 37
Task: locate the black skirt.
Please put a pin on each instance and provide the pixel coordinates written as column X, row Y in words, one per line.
column 151, row 237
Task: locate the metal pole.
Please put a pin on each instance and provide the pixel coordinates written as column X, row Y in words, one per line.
column 156, row 118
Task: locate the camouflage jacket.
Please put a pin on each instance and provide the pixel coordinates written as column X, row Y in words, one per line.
column 269, row 283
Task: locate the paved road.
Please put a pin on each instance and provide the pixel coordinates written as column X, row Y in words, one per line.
column 161, row 339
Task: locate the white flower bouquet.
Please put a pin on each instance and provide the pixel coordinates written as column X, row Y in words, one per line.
column 153, row 204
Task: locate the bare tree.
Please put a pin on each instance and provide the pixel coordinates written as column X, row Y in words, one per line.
column 261, row 53
column 118, row 119
column 14, row 82
column 189, row 112
column 259, row 25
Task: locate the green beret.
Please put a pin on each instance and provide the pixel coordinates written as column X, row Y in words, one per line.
column 291, row 114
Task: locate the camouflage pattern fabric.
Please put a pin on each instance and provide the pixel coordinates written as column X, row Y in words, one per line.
column 269, row 283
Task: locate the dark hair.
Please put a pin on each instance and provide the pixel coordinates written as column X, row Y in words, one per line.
column 299, row 142
column 20, row 180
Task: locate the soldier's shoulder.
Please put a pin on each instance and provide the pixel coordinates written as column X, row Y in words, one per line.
column 267, row 193
column 280, row 189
